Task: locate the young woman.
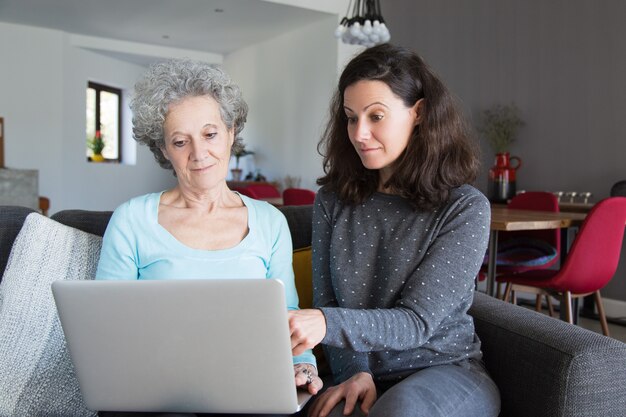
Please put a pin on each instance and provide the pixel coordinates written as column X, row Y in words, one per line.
column 398, row 237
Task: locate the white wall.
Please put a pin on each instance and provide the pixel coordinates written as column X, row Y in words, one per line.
column 287, row 82
column 42, row 98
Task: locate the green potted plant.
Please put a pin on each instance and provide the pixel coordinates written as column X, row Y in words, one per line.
column 499, row 126
column 239, row 151
column 96, row 145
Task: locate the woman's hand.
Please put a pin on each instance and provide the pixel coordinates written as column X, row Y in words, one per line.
column 306, row 376
column 307, row 328
column 359, row 387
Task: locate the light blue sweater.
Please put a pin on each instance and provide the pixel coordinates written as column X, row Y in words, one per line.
column 136, row 246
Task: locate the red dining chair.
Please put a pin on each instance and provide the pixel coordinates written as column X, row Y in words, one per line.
column 263, row 191
column 298, row 197
column 589, row 266
column 531, row 249
column 525, row 250
column 619, row 189
column 245, row 191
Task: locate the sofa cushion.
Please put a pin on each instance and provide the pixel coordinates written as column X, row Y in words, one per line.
column 94, row 222
column 303, row 271
column 36, row 373
column 299, row 219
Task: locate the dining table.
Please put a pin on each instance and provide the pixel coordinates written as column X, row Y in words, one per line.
column 508, row 220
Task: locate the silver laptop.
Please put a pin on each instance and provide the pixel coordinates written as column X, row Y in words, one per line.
column 204, row 346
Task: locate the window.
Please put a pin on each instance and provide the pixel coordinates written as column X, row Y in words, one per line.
column 104, row 114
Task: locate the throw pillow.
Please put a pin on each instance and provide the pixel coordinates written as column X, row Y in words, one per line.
column 36, row 374
column 303, row 271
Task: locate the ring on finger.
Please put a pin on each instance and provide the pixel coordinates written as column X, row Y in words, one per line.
column 309, row 376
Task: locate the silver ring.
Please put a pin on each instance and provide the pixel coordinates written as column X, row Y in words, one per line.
column 309, row 376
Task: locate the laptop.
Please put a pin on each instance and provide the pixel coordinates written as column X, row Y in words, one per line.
column 189, row 346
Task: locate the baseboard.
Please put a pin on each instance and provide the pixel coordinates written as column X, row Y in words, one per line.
column 614, row 308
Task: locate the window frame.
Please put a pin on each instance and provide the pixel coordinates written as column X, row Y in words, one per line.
column 117, row 91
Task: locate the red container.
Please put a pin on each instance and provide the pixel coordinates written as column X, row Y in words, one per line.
column 501, row 186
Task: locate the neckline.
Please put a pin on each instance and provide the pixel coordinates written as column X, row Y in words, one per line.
column 162, row 231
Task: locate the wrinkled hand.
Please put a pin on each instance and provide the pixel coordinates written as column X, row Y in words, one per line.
column 300, row 371
column 359, row 387
column 307, row 328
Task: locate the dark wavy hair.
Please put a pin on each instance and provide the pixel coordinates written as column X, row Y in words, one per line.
column 439, row 155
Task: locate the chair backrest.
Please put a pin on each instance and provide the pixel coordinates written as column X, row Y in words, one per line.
column 263, row 191
column 539, row 201
column 245, row 191
column 298, row 197
column 594, row 255
column 619, row 189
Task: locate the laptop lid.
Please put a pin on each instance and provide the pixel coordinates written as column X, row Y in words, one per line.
column 204, row 346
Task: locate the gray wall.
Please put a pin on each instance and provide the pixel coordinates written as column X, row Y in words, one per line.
column 563, row 62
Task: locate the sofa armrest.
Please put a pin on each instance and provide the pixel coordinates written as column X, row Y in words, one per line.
column 546, row 367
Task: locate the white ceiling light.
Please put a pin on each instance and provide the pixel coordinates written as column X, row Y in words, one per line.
column 365, row 26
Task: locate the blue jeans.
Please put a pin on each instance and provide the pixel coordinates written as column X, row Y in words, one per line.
column 460, row 390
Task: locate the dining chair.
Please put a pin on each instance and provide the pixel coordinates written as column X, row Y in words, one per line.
column 263, row 191
column 298, row 197
column 531, row 249
column 619, row 189
column 246, row 191
column 589, row 266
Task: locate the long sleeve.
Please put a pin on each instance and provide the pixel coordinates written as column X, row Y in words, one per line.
column 395, row 283
column 344, row 362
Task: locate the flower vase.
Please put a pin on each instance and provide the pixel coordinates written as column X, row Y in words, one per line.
column 236, row 173
column 502, row 182
column 97, row 157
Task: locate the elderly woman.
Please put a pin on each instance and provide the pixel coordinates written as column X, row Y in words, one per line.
column 190, row 115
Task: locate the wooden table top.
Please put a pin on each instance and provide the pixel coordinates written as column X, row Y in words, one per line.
column 505, row 219
column 575, row 207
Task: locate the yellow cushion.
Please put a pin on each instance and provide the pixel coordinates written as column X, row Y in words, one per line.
column 303, row 271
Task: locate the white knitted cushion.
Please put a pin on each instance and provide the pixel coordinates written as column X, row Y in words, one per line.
column 36, row 374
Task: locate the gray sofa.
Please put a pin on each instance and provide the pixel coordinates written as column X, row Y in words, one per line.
column 543, row 367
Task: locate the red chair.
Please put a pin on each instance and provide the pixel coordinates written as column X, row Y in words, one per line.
column 532, row 249
column 539, row 201
column 263, row 191
column 590, row 265
column 245, row 191
column 298, row 197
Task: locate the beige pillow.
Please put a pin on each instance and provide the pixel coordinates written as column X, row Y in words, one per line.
column 36, row 374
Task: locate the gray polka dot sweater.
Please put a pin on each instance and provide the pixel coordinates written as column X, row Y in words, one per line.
column 395, row 284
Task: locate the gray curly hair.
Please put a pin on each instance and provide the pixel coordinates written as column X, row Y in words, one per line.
column 170, row 81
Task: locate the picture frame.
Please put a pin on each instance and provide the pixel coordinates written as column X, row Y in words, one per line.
column 1, row 142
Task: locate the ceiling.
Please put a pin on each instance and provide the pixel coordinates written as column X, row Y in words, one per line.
column 215, row 26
